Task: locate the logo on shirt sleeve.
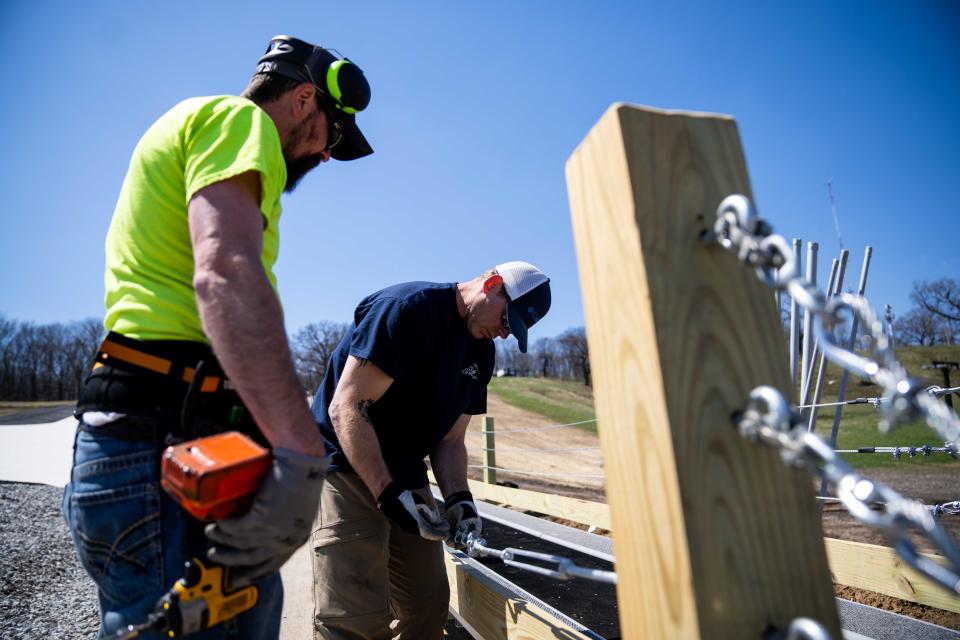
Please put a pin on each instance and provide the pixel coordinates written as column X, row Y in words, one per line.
column 471, row 371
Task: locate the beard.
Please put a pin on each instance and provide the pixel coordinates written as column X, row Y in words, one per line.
column 299, row 166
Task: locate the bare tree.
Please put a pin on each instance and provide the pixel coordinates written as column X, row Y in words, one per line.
column 312, row 347
column 81, row 345
column 940, row 298
column 511, row 360
column 918, row 326
column 45, row 362
column 573, row 343
column 544, row 357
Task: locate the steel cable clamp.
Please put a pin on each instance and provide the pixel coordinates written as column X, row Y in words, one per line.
column 566, row 568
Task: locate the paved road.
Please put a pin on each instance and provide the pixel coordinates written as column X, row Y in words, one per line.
column 41, row 415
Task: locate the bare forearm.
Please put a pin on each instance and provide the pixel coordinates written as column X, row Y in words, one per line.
column 360, row 444
column 242, row 317
column 449, row 461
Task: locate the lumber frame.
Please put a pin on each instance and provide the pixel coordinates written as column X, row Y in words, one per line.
column 496, row 613
column 880, row 569
column 586, row 512
column 854, row 564
column 714, row 536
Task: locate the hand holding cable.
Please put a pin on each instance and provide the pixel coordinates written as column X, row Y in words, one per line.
column 278, row 522
column 462, row 516
column 415, row 511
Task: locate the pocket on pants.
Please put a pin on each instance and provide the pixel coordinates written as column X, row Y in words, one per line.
column 115, row 517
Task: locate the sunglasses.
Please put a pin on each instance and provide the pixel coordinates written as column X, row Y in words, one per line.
column 335, row 130
column 334, row 133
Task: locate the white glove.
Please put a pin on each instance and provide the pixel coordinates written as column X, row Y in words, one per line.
column 413, row 511
column 462, row 516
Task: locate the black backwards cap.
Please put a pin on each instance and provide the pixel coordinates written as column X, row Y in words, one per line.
column 528, row 297
column 341, row 84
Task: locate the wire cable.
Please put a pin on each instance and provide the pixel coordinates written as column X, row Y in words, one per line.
column 545, row 428
column 537, row 473
column 539, row 449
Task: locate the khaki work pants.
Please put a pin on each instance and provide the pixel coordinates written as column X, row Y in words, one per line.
column 372, row 581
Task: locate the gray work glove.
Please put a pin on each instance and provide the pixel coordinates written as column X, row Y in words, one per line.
column 278, row 522
column 413, row 511
column 462, row 516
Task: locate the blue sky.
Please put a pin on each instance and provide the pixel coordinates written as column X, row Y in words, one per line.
column 475, row 109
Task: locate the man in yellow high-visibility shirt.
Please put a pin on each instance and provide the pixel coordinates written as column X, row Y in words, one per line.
column 196, row 343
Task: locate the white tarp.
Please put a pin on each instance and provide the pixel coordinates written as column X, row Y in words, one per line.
column 38, row 453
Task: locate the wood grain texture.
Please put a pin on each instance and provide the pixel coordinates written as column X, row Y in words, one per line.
column 880, row 569
column 714, row 536
column 494, row 613
column 595, row 514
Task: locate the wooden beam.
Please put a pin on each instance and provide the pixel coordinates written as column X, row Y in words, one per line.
column 880, row 569
column 495, row 612
column 586, row 512
column 854, row 564
column 714, row 536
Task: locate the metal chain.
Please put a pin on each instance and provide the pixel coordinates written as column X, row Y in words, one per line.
column 476, row 547
column 768, row 419
column 739, row 230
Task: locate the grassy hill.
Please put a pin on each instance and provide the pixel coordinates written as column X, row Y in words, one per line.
column 561, row 401
column 564, row 401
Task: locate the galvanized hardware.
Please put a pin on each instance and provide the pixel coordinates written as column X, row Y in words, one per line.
column 768, row 419
column 739, row 230
column 925, row 450
column 939, row 392
column 807, row 629
column 565, row 568
column 945, row 509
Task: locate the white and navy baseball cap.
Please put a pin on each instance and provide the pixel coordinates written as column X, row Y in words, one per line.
column 528, row 297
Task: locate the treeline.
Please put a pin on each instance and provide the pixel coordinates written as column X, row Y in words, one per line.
column 934, row 318
column 935, row 315
column 48, row 361
column 565, row 356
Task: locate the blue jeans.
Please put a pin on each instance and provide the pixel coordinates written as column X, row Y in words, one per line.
column 133, row 539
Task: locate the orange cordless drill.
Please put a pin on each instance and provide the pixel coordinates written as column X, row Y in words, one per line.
column 212, row 478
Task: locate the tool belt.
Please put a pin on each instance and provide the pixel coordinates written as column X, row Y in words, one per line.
column 170, row 391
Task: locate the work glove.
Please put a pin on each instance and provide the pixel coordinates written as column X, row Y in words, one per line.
column 413, row 511
column 462, row 516
column 278, row 522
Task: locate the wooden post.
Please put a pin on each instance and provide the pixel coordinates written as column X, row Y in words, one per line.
column 715, row 537
column 489, row 452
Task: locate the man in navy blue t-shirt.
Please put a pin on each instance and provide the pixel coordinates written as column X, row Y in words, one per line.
column 401, row 386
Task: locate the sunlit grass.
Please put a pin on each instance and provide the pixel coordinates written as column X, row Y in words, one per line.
column 560, row 401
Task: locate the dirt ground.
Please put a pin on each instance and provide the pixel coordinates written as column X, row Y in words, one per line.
column 930, row 483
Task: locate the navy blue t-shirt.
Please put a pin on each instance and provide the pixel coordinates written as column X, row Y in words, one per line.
column 413, row 332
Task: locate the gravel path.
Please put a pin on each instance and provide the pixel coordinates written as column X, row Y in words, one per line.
column 44, row 593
